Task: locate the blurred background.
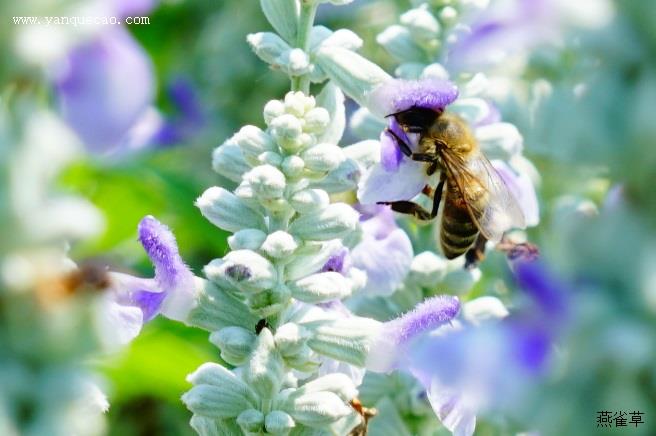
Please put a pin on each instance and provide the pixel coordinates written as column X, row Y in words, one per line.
column 149, row 103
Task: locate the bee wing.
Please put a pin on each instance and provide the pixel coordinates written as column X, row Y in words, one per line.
column 476, row 176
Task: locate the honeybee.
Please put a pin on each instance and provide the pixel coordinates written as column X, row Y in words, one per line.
column 477, row 203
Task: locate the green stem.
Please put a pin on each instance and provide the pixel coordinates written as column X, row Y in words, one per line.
column 305, row 24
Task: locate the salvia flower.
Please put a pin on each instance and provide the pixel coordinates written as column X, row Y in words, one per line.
column 103, row 87
column 396, row 177
column 384, row 253
column 133, row 301
column 491, row 360
column 388, row 349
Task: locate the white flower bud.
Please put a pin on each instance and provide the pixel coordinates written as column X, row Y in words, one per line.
column 279, row 244
column 283, row 16
column 344, row 178
column 332, row 99
column 333, row 222
column 354, row 74
column 225, row 210
column 270, row 158
column 321, row 287
column 287, row 130
column 482, row 309
column 218, row 393
column 278, row 423
column 252, row 140
column 421, row 23
column 265, row 369
column 343, row 38
column 365, row 153
column 436, row 71
column 473, row 110
column 323, row 157
column 267, row 181
column 293, row 166
column 499, row 140
column 318, row 35
column 427, row 269
column 297, row 103
column 316, row 120
column 251, row 421
column 218, row 309
column 337, row 383
column 245, row 193
column 346, row 339
column 309, row 200
column 208, row 426
column 273, row 109
column 228, row 161
column 295, row 61
column 289, row 338
column 410, row 70
column 306, row 264
column 247, row 239
column 476, row 86
column 459, row 281
column 448, row 16
column 317, row 409
column 399, row 43
column 304, row 360
column 267, row 46
column 235, row 344
column 244, row 269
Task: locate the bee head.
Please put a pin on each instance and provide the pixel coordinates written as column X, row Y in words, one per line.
column 416, row 119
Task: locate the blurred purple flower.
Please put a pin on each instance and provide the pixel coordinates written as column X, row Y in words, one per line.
column 126, row 8
column 134, row 301
column 503, row 29
column 396, row 177
column 468, row 368
column 104, row 87
column 384, row 253
column 188, row 119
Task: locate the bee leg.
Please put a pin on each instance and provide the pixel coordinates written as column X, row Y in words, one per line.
column 409, row 208
column 476, row 253
column 405, row 148
column 437, row 196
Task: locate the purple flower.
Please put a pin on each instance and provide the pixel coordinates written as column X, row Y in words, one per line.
column 396, row 177
column 384, row 253
column 388, row 349
column 104, row 87
column 397, row 95
column 132, row 301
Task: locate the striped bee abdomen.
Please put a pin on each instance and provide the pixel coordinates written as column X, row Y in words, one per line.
column 457, row 231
